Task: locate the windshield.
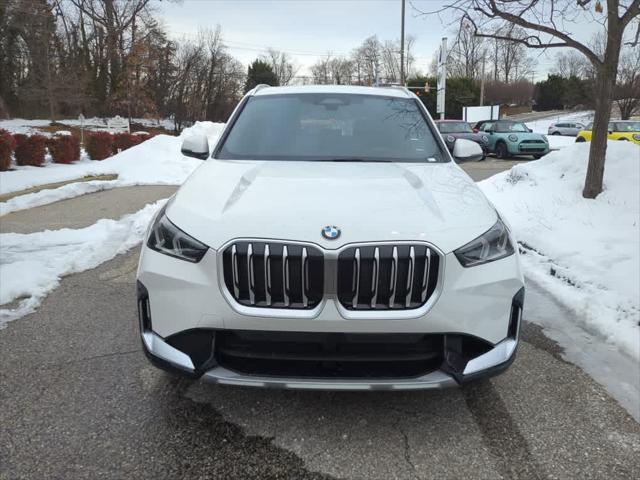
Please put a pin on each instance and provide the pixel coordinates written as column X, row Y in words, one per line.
column 454, row 127
column 627, row 126
column 331, row 127
column 504, row 127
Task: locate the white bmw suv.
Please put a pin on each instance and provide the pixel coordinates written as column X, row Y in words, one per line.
column 329, row 241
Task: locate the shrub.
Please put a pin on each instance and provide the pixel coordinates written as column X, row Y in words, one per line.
column 7, row 146
column 64, row 148
column 122, row 141
column 30, row 150
column 99, row 145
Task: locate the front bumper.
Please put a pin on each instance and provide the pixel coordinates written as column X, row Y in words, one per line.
column 530, row 149
column 197, row 357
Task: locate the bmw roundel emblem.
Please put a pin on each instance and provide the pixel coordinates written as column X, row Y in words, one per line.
column 330, row 232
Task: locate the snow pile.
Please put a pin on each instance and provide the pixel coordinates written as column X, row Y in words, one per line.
column 33, row 263
column 156, row 161
column 44, row 197
column 585, row 252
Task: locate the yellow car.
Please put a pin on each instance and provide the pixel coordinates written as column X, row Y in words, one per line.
column 625, row 130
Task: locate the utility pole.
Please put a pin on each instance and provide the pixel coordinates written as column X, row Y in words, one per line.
column 482, row 79
column 402, row 46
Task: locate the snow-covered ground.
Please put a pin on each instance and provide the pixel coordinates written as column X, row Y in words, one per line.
column 557, row 142
column 586, row 253
column 21, row 125
column 32, row 264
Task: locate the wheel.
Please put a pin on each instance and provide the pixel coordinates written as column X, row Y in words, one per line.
column 556, row 133
column 536, row 157
column 502, row 151
column 623, row 139
column 580, row 140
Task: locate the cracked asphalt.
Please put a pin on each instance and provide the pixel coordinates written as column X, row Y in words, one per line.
column 79, row 400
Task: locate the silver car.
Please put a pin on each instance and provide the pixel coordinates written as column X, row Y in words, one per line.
column 565, row 128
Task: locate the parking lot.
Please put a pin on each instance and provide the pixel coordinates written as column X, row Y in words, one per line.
column 80, row 400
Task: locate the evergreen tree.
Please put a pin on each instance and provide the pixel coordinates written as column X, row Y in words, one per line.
column 260, row 72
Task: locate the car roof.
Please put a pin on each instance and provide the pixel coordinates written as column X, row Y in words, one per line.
column 397, row 92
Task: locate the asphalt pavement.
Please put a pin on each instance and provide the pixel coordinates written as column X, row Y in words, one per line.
column 79, row 400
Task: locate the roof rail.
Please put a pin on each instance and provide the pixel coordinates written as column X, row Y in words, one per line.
column 260, row 87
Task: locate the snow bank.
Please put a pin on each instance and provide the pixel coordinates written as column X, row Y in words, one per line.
column 32, row 264
column 585, row 252
column 156, row 161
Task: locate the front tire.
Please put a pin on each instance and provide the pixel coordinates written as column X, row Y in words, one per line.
column 580, row 140
column 502, row 152
column 556, row 133
column 537, row 157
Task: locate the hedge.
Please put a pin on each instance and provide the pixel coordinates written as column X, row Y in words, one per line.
column 64, row 148
column 30, row 150
column 122, row 141
column 99, row 145
column 7, row 146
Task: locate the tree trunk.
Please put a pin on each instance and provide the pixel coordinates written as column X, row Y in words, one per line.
column 605, row 81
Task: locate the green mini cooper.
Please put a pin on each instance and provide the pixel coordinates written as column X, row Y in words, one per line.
column 508, row 138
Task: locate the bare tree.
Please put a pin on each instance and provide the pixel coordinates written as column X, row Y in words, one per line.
column 627, row 91
column 466, row 54
column 281, row 64
column 570, row 64
column 321, row 72
column 366, row 59
column 545, row 25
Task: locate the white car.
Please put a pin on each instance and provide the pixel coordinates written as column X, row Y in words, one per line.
column 329, row 241
column 565, row 128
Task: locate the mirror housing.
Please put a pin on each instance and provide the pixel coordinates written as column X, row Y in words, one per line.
column 196, row 146
column 467, row 151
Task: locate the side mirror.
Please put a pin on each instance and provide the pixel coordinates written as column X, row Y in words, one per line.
column 467, row 151
column 529, row 130
column 196, row 146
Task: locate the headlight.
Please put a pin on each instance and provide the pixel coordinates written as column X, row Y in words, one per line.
column 485, row 139
column 636, row 136
column 166, row 238
column 450, row 139
column 546, row 140
column 491, row 245
column 513, row 138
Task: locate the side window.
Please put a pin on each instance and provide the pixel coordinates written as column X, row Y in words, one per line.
column 611, row 127
column 486, row 127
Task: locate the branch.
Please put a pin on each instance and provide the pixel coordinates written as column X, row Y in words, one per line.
column 524, row 41
column 632, row 12
column 495, row 12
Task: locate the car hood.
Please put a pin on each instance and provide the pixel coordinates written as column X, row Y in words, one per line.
column 437, row 202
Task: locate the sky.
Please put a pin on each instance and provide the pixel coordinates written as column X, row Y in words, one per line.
column 308, row 29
